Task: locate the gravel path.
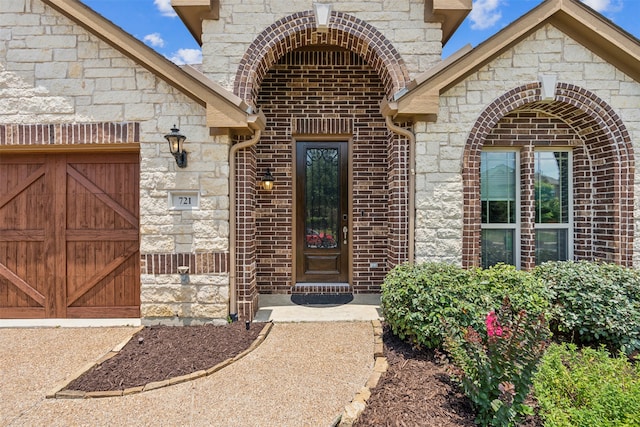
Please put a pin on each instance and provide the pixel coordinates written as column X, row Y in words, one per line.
column 302, row 375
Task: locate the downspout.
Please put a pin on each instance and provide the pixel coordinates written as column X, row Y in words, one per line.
column 412, row 181
column 233, row 303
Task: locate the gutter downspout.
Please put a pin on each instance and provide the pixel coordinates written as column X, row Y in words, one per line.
column 233, row 303
column 412, row 181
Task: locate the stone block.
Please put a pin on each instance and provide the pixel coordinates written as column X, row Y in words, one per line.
column 209, row 311
column 577, row 53
column 51, row 42
column 168, row 294
column 70, row 394
column 104, row 393
column 599, row 71
column 12, row 6
column 381, row 365
column 50, row 70
column 29, row 55
column 132, row 390
column 158, row 310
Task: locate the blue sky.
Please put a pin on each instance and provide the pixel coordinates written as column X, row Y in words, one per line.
column 155, row 22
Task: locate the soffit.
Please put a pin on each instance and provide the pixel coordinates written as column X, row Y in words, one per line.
column 193, row 12
column 450, row 13
column 578, row 21
column 231, row 111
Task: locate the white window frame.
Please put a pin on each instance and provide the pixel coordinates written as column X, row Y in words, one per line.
column 568, row 225
column 516, row 226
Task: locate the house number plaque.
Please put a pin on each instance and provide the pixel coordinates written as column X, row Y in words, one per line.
column 184, row 200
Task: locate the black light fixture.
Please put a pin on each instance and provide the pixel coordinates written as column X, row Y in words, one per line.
column 267, row 180
column 176, row 139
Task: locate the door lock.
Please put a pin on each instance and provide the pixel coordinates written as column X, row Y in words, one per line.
column 345, row 231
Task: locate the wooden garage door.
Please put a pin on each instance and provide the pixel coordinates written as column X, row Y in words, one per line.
column 69, row 240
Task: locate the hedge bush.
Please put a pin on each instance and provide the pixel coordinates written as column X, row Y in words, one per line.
column 424, row 302
column 585, row 388
column 594, row 303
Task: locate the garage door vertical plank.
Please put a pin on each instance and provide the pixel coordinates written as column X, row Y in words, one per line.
column 60, row 221
column 77, row 219
column 9, row 219
column 50, row 242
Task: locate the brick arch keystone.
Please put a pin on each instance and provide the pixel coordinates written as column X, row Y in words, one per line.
column 591, row 118
column 299, row 30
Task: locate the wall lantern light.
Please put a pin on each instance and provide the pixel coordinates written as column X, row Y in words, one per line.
column 322, row 12
column 176, row 139
column 267, row 180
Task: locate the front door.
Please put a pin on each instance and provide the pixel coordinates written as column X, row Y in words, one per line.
column 322, row 223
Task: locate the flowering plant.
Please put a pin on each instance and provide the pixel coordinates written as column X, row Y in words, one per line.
column 495, row 367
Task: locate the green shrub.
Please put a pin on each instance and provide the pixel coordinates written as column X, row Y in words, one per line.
column 587, row 388
column 418, row 300
column 594, row 303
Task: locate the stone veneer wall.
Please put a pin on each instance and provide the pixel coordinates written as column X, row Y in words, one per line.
column 225, row 41
column 440, row 145
column 53, row 72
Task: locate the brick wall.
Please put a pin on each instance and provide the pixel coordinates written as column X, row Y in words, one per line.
column 526, row 130
column 336, row 92
column 601, row 170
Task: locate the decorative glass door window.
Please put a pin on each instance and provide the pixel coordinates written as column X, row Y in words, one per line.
column 322, row 197
column 499, row 207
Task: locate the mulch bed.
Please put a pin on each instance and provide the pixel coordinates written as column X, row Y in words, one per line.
column 158, row 353
column 417, row 391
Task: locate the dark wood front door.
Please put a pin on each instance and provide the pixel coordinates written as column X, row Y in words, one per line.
column 322, row 223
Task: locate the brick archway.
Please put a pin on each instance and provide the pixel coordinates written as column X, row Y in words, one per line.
column 603, row 168
column 299, row 30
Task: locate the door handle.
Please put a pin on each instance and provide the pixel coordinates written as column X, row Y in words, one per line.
column 345, row 231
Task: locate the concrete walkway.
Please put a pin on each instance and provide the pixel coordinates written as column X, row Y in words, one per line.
column 281, row 308
column 302, row 375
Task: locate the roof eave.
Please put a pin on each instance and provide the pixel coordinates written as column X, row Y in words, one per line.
column 578, row 21
column 193, row 12
column 450, row 13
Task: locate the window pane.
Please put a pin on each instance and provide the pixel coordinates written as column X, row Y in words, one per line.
column 552, row 187
column 551, row 245
column 497, row 187
column 497, row 246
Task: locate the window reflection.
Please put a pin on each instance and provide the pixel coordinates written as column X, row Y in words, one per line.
column 322, row 198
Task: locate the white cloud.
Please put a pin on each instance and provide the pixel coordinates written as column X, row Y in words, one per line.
column 485, row 14
column 187, row 56
column 154, row 39
column 164, row 6
column 604, row 5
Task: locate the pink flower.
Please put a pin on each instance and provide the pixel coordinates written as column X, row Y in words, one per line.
column 493, row 327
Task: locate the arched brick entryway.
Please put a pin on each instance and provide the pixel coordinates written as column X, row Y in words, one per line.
column 299, row 30
column 602, row 173
column 339, row 78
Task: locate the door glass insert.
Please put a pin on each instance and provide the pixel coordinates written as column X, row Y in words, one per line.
column 322, row 198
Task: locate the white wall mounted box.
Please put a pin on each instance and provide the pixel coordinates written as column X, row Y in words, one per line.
column 184, row 200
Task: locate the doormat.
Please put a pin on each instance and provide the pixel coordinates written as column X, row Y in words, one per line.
column 321, row 299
